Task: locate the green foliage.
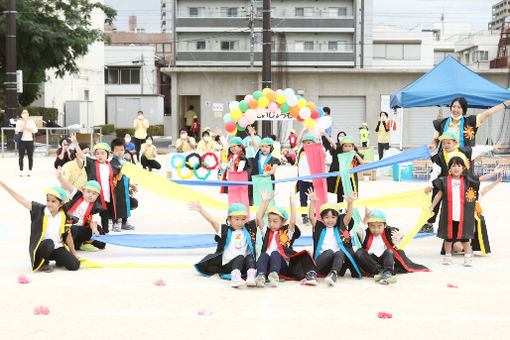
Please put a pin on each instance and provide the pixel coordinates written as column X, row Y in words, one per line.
column 50, row 34
column 48, row 113
column 106, row 129
column 122, row 132
column 155, row 130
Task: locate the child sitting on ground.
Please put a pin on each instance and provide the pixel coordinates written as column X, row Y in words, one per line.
column 332, row 246
column 235, row 253
column 50, row 230
column 378, row 251
column 277, row 256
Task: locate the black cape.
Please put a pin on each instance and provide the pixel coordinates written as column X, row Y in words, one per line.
column 468, row 134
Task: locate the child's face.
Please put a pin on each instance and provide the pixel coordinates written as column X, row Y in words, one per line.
column 89, row 196
column 275, row 222
column 306, row 142
column 456, row 170
column 53, row 203
column 376, row 228
column 266, row 149
column 101, row 155
column 235, row 149
column 449, row 145
column 118, row 151
column 347, row 147
column 237, row 222
column 330, row 220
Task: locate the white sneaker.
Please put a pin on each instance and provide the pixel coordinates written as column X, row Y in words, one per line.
column 250, row 279
column 236, row 281
column 29, row 173
column 21, row 173
column 468, row 261
column 274, row 279
column 447, row 260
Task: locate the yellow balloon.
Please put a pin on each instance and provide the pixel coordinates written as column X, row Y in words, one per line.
column 233, row 133
column 280, row 99
column 301, row 103
column 309, row 123
column 236, row 114
column 266, row 91
column 263, row 102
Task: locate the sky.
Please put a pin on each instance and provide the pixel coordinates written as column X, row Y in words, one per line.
column 396, row 12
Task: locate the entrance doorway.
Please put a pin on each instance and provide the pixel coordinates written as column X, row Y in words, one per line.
column 185, row 102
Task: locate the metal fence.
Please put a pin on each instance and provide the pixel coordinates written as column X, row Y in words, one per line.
column 51, row 136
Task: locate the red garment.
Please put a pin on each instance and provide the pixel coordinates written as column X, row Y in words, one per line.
column 292, row 140
column 195, row 127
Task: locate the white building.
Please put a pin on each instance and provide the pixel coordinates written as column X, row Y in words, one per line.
column 477, row 49
column 500, row 11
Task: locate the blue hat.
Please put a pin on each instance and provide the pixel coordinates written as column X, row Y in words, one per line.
column 449, row 135
column 309, row 137
column 103, row 146
column 237, row 209
column 58, row 192
column 235, row 141
column 280, row 211
column 347, row 140
column 266, row 141
column 93, row 185
column 377, row 216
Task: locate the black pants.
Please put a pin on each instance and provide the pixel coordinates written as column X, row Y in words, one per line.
column 373, row 264
column 61, row 256
column 82, row 234
column 381, row 147
column 271, row 263
column 436, row 208
column 303, row 189
column 151, row 164
column 106, row 216
column 27, row 146
column 138, row 145
column 328, row 261
column 243, row 263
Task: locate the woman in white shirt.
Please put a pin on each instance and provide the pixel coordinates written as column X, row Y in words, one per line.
column 27, row 127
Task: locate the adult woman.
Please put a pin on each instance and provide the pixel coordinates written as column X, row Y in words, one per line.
column 27, row 127
column 148, row 158
column 383, row 134
column 64, row 153
column 141, row 125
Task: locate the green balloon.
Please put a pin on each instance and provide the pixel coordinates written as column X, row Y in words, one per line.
column 257, row 94
column 285, row 108
column 243, row 105
column 239, row 128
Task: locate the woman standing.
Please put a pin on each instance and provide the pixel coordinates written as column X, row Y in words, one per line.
column 27, row 128
column 141, row 125
column 383, row 134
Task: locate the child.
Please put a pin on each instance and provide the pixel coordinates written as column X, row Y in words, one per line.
column 50, row 230
column 99, row 170
column 149, row 154
column 130, row 147
column 64, row 153
column 74, row 172
column 288, row 157
column 332, row 247
column 304, row 170
column 265, row 164
column 195, row 127
column 236, row 160
column 235, row 253
column 85, row 206
column 458, row 192
column 122, row 188
column 378, row 253
column 277, row 256
column 363, row 135
column 292, row 139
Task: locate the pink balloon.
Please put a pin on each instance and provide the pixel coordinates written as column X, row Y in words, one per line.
column 230, row 127
column 279, row 91
column 315, row 114
column 243, row 121
column 248, row 97
column 273, row 107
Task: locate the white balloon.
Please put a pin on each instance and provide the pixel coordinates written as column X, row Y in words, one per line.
column 305, row 112
column 233, row 105
column 292, row 100
column 251, row 115
column 324, row 122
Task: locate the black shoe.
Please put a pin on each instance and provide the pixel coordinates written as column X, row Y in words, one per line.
column 331, row 278
column 311, row 278
column 427, row 228
column 47, row 268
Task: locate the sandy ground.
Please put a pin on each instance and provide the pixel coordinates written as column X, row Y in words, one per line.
column 124, row 303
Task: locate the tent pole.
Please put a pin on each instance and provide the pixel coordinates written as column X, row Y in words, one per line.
column 401, row 127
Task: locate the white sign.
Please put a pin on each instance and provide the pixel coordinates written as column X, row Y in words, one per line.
column 268, row 115
column 19, row 81
column 217, row 107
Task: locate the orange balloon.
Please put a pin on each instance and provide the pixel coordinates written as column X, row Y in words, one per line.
column 271, row 95
column 253, row 103
column 310, row 105
column 294, row 111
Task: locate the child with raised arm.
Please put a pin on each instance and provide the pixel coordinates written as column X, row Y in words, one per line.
column 332, row 246
column 277, row 256
column 50, row 231
column 235, row 253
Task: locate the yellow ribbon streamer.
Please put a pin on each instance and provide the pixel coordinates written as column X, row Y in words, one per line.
column 90, row 264
column 424, row 216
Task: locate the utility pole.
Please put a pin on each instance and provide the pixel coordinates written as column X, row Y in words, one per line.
column 252, row 32
column 266, row 56
column 10, row 81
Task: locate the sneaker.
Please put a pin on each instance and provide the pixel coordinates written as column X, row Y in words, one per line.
column 236, row 281
column 250, row 279
column 116, row 228
column 260, row 280
column 331, row 278
column 468, row 260
column 447, row 260
column 29, row 173
column 378, row 277
column 306, row 220
column 88, row 247
column 427, row 228
column 21, row 173
column 386, row 277
column 47, row 268
column 274, row 279
column 311, row 278
column 126, row 226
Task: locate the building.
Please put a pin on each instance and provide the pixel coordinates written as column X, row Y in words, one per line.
column 499, row 12
column 475, row 50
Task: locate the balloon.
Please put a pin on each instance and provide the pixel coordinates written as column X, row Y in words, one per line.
column 236, row 114
column 324, row 122
column 230, row 126
column 243, row 105
column 240, row 128
column 273, row 107
column 304, row 112
column 233, row 133
column 300, row 119
column 288, row 92
column 301, row 103
column 257, row 95
column 292, row 100
column 233, row 105
column 265, row 91
column 227, row 118
column 271, row 95
column 309, row 123
column 310, row 105
column 280, row 99
column 253, row 103
column 298, row 96
column 263, row 102
column 243, row 122
column 279, row 91
column 285, row 108
column 248, row 97
column 294, row 111
column 321, row 111
column 315, row 114
column 251, row 116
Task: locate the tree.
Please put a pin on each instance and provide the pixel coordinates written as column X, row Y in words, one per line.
column 50, row 34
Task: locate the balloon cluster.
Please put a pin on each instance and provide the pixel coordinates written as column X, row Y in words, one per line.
column 244, row 112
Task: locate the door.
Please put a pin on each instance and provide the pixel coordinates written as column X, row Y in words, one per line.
column 419, row 124
column 347, row 114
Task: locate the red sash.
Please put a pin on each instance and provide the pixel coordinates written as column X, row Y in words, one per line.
column 98, row 176
column 278, row 244
column 87, row 217
column 450, row 208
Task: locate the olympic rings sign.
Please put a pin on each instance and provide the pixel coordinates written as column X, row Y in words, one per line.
column 194, row 164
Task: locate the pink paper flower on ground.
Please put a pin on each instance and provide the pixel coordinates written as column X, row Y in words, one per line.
column 384, row 315
column 37, row 310
column 22, row 279
column 205, row 312
column 43, row 310
column 159, row 283
column 303, row 282
column 449, row 285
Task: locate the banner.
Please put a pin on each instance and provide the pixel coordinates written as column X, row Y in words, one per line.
column 202, row 166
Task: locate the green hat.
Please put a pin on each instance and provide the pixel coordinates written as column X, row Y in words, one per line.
column 377, row 216
column 347, row 140
column 309, row 137
column 235, row 141
column 93, row 185
column 280, row 211
column 103, row 146
column 58, row 192
column 266, row 141
column 449, row 135
column 327, row 206
column 237, row 209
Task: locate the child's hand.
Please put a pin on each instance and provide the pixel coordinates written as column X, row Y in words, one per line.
column 428, row 190
column 498, row 170
column 195, row 206
column 266, row 196
column 396, row 235
column 497, row 146
column 265, row 174
column 72, row 136
column 351, row 197
column 368, row 214
column 311, row 195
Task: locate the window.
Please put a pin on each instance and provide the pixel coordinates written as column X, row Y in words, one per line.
column 86, row 94
column 394, row 51
column 135, row 76
column 229, row 11
column 123, row 75
column 379, row 50
column 167, row 47
column 397, row 51
column 200, row 45
column 440, row 55
column 412, row 51
column 159, row 48
column 228, row 45
column 342, row 11
column 337, row 12
column 308, row 45
column 480, row 56
column 332, row 46
column 299, row 46
column 113, row 76
column 304, row 11
column 196, row 11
